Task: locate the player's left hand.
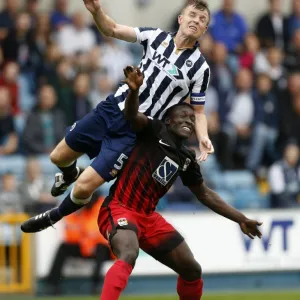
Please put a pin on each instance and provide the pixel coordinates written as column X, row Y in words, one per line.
column 206, row 148
column 250, row 228
column 134, row 77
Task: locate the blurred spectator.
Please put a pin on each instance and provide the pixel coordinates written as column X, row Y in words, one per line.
column 249, row 52
column 16, row 46
column 228, row 27
column 80, row 99
column 10, row 198
column 59, row 16
column 9, row 79
column 81, row 240
column 115, row 56
column 284, row 179
column 46, row 71
column 40, row 39
column 239, row 118
column 104, row 88
column 274, row 67
column 62, row 83
column 206, row 46
column 31, row 7
column 7, row 17
column 292, row 60
column 35, row 189
column 272, row 27
column 294, row 18
column 76, row 37
column 290, row 119
column 265, row 131
column 221, row 77
column 8, row 136
column 45, row 125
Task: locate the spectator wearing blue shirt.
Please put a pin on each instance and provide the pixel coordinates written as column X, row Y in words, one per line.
column 228, row 27
column 7, row 17
column 59, row 16
column 265, row 123
column 294, row 18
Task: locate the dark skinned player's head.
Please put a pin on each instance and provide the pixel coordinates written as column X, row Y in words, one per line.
column 180, row 120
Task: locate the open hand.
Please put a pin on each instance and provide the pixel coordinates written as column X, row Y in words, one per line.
column 92, row 5
column 206, row 148
column 134, row 77
column 249, row 227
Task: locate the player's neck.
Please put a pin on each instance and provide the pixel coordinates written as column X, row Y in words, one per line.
column 183, row 42
column 178, row 141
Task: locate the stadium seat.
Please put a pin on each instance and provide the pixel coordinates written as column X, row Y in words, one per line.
column 226, row 196
column 238, row 179
column 248, row 198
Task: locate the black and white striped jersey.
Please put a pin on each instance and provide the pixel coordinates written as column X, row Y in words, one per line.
column 171, row 75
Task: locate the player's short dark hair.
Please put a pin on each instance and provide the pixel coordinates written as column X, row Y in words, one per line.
column 198, row 4
column 170, row 110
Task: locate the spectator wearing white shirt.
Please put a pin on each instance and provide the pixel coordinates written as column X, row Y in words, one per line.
column 239, row 117
column 284, row 179
column 76, row 37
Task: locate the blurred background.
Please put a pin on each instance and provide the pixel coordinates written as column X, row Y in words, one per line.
column 55, row 67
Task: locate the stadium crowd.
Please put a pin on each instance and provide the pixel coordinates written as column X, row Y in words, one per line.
column 56, row 67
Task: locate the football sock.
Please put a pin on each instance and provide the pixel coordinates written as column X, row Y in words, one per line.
column 189, row 290
column 69, row 172
column 116, row 280
column 69, row 205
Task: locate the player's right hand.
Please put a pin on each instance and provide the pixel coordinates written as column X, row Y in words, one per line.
column 134, row 77
column 92, row 5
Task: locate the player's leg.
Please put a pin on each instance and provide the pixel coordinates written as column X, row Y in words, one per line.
column 125, row 246
column 80, row 195
column 65, row 159
column 166, row 245
column 182, row 261
column 118, row 224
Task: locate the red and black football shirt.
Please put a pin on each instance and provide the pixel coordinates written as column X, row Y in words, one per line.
column 151, row 169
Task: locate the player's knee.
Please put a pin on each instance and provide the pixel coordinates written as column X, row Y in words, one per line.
column 130, row 255
column 192, row 272
column 55, row 157
column 82, row 189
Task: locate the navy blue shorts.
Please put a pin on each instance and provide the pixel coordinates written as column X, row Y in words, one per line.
column 105, row 135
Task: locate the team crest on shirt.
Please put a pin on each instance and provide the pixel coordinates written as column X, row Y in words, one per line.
column 165, row 171
column 114, row 172
column 122, row 222
column 188, row 63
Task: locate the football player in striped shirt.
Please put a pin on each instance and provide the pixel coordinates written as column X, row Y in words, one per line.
column 174, row 70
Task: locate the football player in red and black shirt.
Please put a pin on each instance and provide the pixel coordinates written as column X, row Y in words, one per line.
column 128, row 218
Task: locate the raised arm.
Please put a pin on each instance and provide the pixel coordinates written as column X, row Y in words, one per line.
column 108, row 26
column 213, row 201
column 134, row 79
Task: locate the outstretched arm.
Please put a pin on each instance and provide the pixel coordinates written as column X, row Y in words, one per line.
column 108, row 26
column 134, row 79
column 213, row 201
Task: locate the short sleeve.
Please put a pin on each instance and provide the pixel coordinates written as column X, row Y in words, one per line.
column 192, row 176
column 144, row 33
column 153, row 128
column 200, row 87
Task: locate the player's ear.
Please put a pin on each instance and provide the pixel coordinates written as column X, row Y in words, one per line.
column 167, row 121
column 180, row 19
